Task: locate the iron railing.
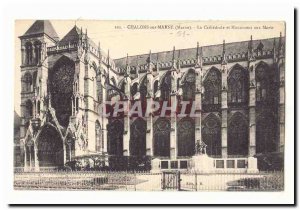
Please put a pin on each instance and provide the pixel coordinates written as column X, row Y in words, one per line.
column 147, row 181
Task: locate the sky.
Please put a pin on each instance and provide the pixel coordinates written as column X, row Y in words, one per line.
column 138, row 37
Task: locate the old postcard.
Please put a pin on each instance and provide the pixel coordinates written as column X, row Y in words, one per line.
column 149, row 105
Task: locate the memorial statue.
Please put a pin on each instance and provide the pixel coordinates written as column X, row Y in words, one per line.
column 200, row 148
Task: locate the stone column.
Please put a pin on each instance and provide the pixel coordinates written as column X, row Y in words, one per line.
column 65, row 152
column 198, row 106
column 36, row 159
column 281, row 66
column 126, row 136
column 149, row 131
column 30, row 158
column 198, row 118
column 73, row 106
column 33, row 109
column 173, row 132
column 33, row 55
column 252, row 112
column 23, row 55
column 104, row 132
column 25, row 157
column 224, row 108
column 104, row 118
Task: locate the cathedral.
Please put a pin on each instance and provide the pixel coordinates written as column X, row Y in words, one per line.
column 238, row 89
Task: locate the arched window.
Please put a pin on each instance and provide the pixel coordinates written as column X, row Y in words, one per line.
column 34, row 77
column 212, row 87
column 138, row 137
column 238, row 135
column 77, row 104
column 123, row 85
column 178, row 83
column 38, row 107
column 99, row 90
column 115, row 138
column 162, row 128
column 29, row 109
column 98, row 136
column 189, row 86
column 165, row 87
column 28, row 49
column 266, row 133
column 238, row 85
column 262, row 84
column 143, row 89
column 75, row 87
column 61, row 79
column 134, row 89
column 38, row 51
column 211, row 134
column 27, row 82
column 186, row 137
column 155, row 87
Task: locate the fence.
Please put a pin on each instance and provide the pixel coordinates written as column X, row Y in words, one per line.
column 263, row 181
column 146, row 181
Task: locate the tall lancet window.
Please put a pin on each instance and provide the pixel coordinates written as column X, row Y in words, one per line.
column 28, row 49
column 212, row 87
column 37, row 51
column 238, row 85
column 262, row 84
column 27, row 82
column 133, row 90
column 165, row 87
column 189, row 86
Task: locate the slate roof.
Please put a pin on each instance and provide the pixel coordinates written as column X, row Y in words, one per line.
column 72, row 36
column 190, row 53
column 42, row 27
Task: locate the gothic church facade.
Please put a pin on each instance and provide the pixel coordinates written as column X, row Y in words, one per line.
column 239, row 88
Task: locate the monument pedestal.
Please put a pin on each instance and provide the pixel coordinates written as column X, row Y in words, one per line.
column 252, row 165
column 202, row 163
column 155, row 165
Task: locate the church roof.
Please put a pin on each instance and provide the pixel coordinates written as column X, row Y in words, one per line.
column 72, row 36
column 42, row 27
column 190, row 53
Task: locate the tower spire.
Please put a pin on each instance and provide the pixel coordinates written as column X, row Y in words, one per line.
column 198, row 55
column 280, row 46
column 157, row 62
column 149, row 60
column 274, row 48
column 178, row 60
column 127, row 70
column 280, row 36
column 137, row 65
column 108, row 66
column 197, row 52
column 224, row 61
column 80, row 35
column 251, row 56
column 149, row 57
column 250, row 45
column 173, row 58
column 99, row 50
column 173, row 54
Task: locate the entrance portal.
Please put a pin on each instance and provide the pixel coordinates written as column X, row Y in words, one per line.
column 50, row 148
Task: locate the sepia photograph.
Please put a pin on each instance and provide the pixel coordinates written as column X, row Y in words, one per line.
column 165, row 105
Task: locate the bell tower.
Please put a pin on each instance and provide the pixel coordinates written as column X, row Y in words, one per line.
column 34, row 73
